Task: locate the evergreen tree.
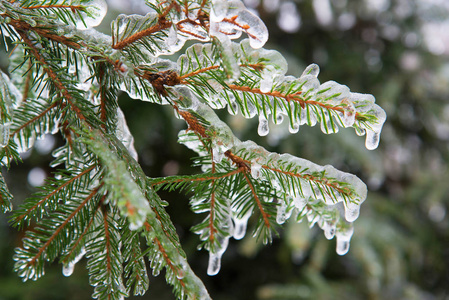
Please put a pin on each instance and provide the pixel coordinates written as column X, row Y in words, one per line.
column 65, row 78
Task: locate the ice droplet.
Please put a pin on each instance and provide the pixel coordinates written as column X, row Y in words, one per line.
column 180, row 273
column 279, row 118
column 343, row 239
column 67, row 270
column 293, row 128
column 263, row 128
column 312, row 69
column 240, row 225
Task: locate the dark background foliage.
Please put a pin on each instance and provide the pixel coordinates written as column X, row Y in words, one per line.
column 393, row 49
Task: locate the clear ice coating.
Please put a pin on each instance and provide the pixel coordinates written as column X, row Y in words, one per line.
column 232, row 17
column 68, row 268
column 4, row 134
column 95, row 11
column 124, row 135
column 240, row 224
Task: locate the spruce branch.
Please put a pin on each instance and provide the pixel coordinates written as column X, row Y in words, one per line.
column 31, row 209
column 100, row 202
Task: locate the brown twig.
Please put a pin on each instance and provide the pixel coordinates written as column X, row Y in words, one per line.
column 22, row 26
column 43, row 113
column 57, row 82
column 73, row 8
column 83, row 234
column 265, row 216
column 162, row 24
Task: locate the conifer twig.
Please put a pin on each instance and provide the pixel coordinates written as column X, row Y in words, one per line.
column 57, row 189
column 61, row 227
column 57, row 82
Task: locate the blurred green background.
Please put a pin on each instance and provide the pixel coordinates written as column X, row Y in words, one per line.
column 397, row 50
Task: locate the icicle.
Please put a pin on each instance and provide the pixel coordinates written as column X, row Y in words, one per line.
column 281, row 215
column 232, row 105
column 343, row 239
column 215, row 258
column 68, row 268
column 218, row 154
column 263, row 128
column 250, row 110
column 352, row 211
column 329, row 229
column 312, row 218
column 214, row 264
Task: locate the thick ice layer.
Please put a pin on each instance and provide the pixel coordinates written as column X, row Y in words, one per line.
column 4, row 134
column 232, row 17
column 124, row 135
column 240, row 224
column 95, row 10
